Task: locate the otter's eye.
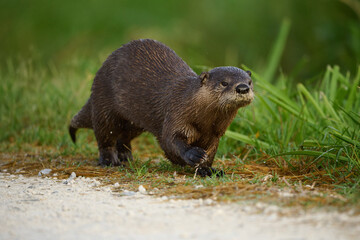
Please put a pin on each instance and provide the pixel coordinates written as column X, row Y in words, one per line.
column 224, row 84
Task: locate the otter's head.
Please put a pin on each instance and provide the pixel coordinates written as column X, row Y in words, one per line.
column 231, row 86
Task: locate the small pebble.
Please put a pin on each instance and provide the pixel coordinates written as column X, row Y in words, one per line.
column 94, row 183
column 128, row 193
column 70, row 179
column 142, row 190
column 44, row 172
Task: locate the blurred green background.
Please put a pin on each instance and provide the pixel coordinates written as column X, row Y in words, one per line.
column 210, row 33
column 304, row 55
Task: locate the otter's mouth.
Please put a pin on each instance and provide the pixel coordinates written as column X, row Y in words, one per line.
column 237, row 101
column 244, row 99
column 243, row 103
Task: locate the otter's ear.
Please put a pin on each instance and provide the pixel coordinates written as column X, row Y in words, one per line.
column 204, row 77
column 249, row 73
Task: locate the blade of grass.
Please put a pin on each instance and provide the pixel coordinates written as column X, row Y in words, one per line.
column 315, row 143
column 353, row 116
column 246, row 139
column 330, row 108
column 351, row 99
column 267, row 106
column 313, row 154
column 277, row 50
column 307, row 94
column 290, row 109
column 345, row 139
column 326, row 80
column 333, row 83
column 304, row 107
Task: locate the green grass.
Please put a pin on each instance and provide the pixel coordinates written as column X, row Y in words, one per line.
column 37, row 102
column 304, row 126
column 311, row 125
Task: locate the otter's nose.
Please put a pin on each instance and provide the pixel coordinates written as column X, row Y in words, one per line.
column 242, row 88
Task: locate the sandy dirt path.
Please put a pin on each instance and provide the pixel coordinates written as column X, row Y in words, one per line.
column 44, row 208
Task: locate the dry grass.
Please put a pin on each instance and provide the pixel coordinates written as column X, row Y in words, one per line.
column 243, row 182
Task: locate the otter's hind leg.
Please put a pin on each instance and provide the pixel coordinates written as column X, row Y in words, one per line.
column 114, row 135
column 107, row 150
column 107, row 130
column 123, row 146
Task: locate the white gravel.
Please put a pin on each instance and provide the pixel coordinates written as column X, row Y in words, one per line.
column 44, row 208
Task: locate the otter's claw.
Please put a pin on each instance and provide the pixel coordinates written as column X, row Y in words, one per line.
column 209, row 171
column 195, row 156
column 125, row 156
column 124, row 152
column 109, row 157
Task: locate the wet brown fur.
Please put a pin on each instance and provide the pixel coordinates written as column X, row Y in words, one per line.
column 145, row 86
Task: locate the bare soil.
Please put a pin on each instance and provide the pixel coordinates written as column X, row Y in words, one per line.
column 82, row 208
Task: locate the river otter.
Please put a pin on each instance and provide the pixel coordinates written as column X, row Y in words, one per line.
column 145, row 86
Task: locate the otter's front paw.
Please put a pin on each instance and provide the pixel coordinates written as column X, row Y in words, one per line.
column 108, row 157
column 195, row 156
column 209, row 171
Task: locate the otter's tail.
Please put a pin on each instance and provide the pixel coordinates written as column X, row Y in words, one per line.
column 81, row 120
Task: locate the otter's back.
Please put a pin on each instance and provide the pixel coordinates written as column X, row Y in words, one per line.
column 143, row 75
column 154, row 59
